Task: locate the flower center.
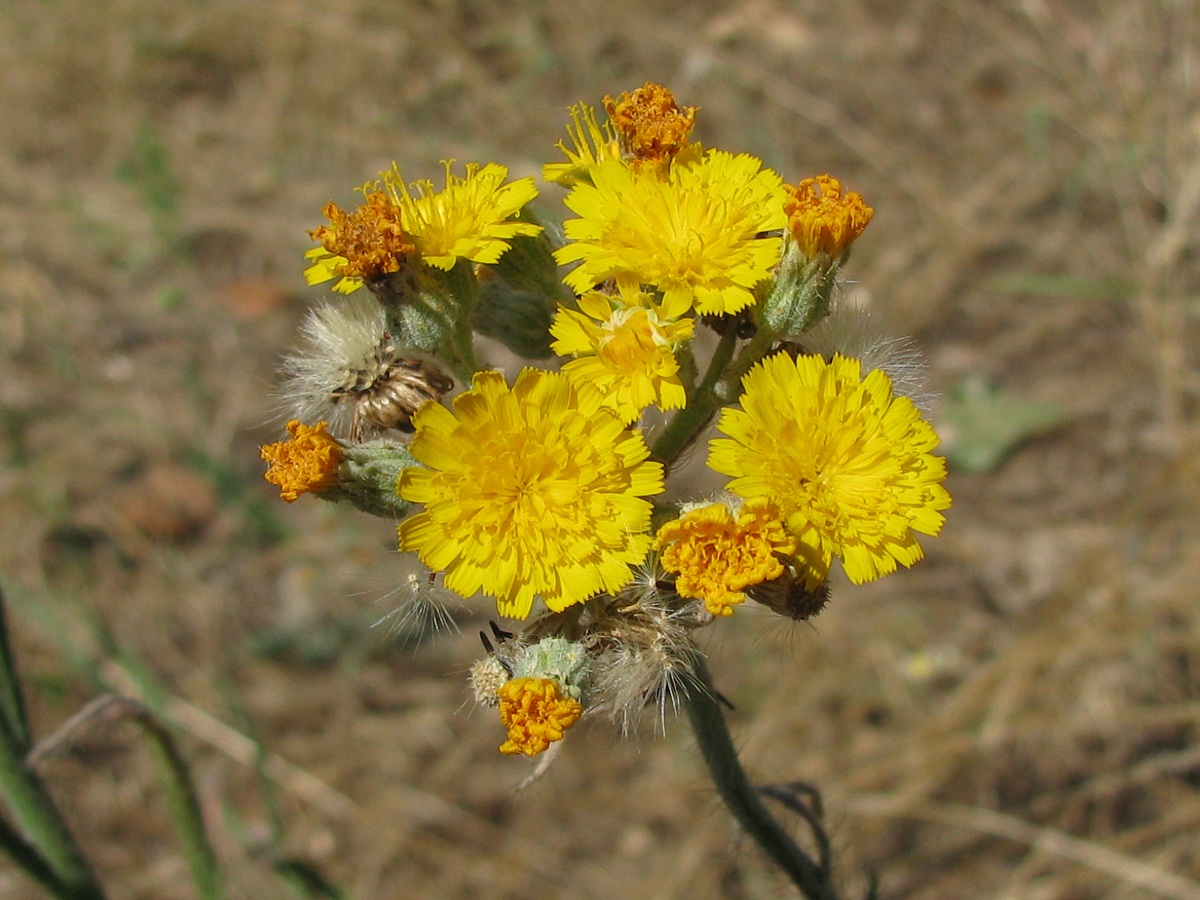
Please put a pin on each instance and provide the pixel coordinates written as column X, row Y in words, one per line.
column 528, row 489
column 629, row 340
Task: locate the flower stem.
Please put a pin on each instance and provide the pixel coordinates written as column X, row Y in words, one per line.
column 184, row 807
column 712, row 734
column 27, row 858
column 754, row 350
column 41, row 844
column 12, row 701
column 39, row 819
column 687, row 422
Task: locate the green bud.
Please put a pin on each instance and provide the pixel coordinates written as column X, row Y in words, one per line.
column 528, row 264
column 422, row 306
column 801, row 293
column 518, row 301
column 557, row 658
column 518, row 319
column 368, row 475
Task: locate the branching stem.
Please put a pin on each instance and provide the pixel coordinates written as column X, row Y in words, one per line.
column 688, row 422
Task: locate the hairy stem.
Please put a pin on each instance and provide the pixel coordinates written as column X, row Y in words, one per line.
column 27, row 858
column 176, row 779
column 712, row 734
column 185, row 808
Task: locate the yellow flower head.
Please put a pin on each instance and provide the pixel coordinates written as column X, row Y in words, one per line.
column 365, row 244
column 716, row 556
column 846, row 460
column 307, row 462
column 536, row 714
column 472, row 218
column 625, row 348
column 591, row 143
column 528, row 491
column 694, row 233
column 650, row 125
column 822, row 219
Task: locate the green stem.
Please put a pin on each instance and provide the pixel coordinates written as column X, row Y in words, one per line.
column 176, row 780
column 756, row 348
column 687, row 422
column 184, row 806
column 465, row 363
column 465, row 289
column 27, row 858
column 712, row 734
column 12, row 703
column 41, row 822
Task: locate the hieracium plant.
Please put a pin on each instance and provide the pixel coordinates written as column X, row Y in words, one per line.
column 700, row 290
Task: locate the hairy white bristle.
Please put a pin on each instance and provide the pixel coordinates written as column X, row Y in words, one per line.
column 852, row 332
column 341, row 340
column 420, row 607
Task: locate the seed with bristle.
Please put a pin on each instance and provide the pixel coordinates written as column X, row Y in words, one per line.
column 392, row 397
column 421, row 608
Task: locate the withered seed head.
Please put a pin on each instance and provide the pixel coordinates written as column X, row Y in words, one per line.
column 389, row 396
column 351, row 372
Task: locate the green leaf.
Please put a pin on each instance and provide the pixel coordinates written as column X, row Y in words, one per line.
column 983, row 426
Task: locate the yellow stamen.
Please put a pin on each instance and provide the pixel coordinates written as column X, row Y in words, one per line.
column 590, row 143
column 307, row 462
column 822, row 219
column 650, row 125
column 536, row 714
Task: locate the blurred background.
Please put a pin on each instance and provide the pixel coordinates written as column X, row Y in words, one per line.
column 1017, row 716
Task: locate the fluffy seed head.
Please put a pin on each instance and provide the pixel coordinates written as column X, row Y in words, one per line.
column 351, row 372
column 488, row 676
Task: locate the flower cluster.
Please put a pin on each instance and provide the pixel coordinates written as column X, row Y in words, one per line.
column 543, row 491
